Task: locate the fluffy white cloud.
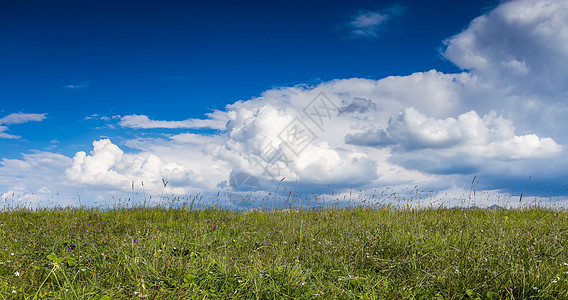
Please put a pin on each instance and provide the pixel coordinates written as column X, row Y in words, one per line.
column 520, row 43
column 490, row 136
column 37, row 178
column 519, row 51
column 272, row 139
column 108, row 167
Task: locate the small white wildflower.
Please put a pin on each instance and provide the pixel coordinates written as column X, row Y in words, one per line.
column 17, row 274
column 14, row 291
column 12, row 253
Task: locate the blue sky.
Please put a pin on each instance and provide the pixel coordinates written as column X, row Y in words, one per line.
column 78, row 72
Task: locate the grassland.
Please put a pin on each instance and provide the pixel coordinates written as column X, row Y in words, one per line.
column 345, row 253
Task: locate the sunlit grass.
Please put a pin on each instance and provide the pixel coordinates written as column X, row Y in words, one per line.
column 342, row 253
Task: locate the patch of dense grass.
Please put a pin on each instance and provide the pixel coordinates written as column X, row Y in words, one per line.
column 341, row 253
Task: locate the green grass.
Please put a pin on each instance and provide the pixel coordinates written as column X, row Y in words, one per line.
column 343, row 253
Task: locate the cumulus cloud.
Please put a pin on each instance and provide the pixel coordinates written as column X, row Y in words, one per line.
column 518, row 50
column 371, row 23
column 216, row 120
column 490, row 136
column 109, row 167
column 271, row 140
column 37, row 178
column 520, row 43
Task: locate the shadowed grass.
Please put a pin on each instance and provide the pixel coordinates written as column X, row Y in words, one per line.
column 342, row 253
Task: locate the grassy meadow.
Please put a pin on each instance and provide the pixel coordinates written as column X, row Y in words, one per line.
column 342, row 253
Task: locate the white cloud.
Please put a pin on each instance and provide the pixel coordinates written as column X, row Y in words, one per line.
column 520, row 43
column 252, row 132
column 4, row 135
column 216, row 120
column 37, row 178
column 98, row 117
column 519, row 51
column 17, row 118
column 371, row 23
column 191, row 138
column 108, row 167
column 490, row 136
column 20, row 118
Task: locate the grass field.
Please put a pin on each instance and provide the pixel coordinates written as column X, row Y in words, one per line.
column 345, row 253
